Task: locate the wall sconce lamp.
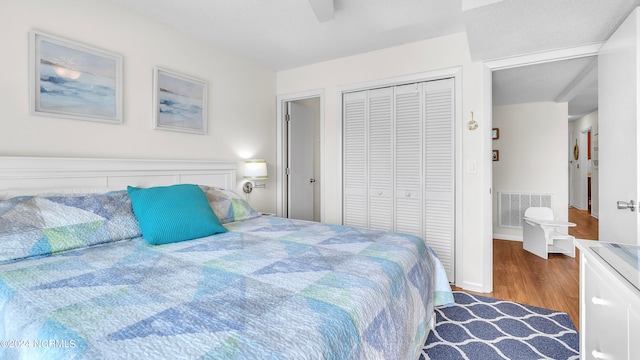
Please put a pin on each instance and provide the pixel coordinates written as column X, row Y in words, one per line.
column 254, row 169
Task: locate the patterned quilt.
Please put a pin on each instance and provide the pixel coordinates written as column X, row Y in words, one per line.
column 270, row 288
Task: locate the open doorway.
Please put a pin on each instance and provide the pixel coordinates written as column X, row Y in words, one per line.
column 299, row 182
column 536, row 131
column 585, row 177
column 537, row 109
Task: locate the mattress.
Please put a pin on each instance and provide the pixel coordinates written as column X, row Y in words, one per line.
column 269, row 288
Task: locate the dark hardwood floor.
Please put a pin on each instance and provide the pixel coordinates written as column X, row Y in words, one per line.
column 525, row 278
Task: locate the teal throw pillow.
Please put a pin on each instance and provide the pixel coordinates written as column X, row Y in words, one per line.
column 174, row 213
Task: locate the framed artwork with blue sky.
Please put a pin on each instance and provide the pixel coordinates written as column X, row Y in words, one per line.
column 74, row 81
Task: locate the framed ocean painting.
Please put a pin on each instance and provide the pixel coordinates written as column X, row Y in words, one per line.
column 73, row 80
column 179, row 101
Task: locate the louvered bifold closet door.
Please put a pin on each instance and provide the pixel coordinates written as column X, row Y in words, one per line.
column 355, row 206
column 439, row 170
column 380, row 105
column 408, row 159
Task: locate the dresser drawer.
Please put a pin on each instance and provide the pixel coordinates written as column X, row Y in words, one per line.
column 606, row 316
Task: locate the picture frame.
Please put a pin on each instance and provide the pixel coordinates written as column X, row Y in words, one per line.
column 495, row 155
column 179, row 102
column 71, row 80
column 495, row 133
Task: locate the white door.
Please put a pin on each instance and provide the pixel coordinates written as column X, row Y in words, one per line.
column 399, row 162
column 380, row 158
column 354, row 142
column 618, row 133
column 301, row 181
column 408, row 159
column 439, row 173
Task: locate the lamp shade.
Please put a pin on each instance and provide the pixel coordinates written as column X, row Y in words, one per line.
column 255, row 169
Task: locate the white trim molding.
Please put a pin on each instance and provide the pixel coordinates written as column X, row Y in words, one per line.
column 281, row 155
column 507, row 237
column 544, row 57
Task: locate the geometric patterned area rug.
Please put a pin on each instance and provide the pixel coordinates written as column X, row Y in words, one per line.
column 479, row 327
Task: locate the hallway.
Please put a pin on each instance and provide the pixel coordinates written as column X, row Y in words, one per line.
column 586, row 225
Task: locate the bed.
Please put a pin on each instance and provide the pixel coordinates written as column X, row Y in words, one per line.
column 79, row 281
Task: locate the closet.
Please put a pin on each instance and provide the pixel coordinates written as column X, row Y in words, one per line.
column 398, row 162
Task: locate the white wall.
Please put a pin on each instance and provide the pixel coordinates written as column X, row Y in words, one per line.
column 576, row 127
column 533, row 156
column 429, row 55
column 241, row 93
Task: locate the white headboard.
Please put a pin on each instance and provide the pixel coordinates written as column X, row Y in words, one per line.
column 45, row 174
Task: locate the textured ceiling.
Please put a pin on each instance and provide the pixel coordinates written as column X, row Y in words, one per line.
column 514, row 27
column 574, row 81
column 501, row 29
column 284, row 34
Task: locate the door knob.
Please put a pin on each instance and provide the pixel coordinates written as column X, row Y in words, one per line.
column 631, row 205
column 600, row 301
column 599, row 355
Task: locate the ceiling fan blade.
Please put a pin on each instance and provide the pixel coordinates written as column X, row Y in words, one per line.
column 323, row 9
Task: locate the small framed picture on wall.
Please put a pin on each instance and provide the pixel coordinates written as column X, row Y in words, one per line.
column 180, row 102
column 495, row 133
column 495, row 155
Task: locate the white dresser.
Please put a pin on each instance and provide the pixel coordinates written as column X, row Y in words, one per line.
column 609, row 300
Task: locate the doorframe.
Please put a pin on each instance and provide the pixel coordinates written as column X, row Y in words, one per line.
column 487, row 113
column 584, row 163
column 281, row 143
column 572, row 200
column 456, row 74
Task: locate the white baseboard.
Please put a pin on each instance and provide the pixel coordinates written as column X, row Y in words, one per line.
column 472, row 287
column 507, row 237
